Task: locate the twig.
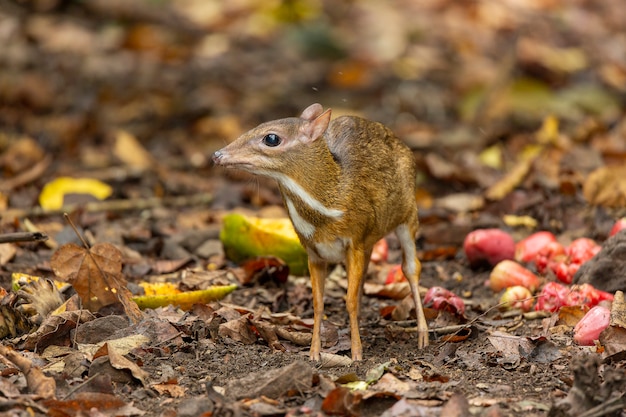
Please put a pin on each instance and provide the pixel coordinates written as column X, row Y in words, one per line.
column 23, row 237
column 608, row 407
column 28, row 176
column 113, row 205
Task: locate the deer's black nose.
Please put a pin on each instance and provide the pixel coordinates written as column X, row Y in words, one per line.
column 217, row 156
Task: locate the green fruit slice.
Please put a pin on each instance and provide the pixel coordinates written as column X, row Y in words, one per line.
column 246, row 237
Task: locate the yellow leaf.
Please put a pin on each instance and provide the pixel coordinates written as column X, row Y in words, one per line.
column 185, row 300
column 515, row 176
column 492, row 157
column 19, row 279
column 53, row 193
column 159, row 288
column 515, row 221
column 549, row 131
column 128, row 149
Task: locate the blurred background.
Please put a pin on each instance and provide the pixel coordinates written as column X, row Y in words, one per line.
column 469, row 85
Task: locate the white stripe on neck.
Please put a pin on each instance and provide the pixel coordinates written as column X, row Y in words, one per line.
column 306, row 198
column 305, row 228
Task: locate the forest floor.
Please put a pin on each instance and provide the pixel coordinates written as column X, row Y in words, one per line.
column 514, row 112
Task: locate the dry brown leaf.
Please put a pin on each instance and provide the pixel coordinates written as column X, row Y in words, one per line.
column 105, row 404
column 118, row 361
column 606, row 186
column 39, row 384
column 96, row 275
column 171, row 390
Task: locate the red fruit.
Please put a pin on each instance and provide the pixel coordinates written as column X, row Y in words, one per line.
column 582, row 249
column 395, row 275
column 577, row 253
column 380, row 251
column 619, row 225
column 509, row 273
column 587, row 295
column 440, row 298
column 547, row 255
column 517, row 297
column 552, row 297
column 488, row 245
column 526, row 250
column 591, row 325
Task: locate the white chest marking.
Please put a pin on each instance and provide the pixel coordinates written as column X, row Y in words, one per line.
column 305, row 228
column 333, row 252
column 306, row 198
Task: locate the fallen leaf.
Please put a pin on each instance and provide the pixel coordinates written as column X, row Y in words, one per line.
column 53, row 193
column 39, row 384
column 118, row 361
column 82, row 402
column 172, row 390
column 185, row 300
column 96, row 275
column 128, row 150
column 343, row 401
column 515, row 176
column 606, row 186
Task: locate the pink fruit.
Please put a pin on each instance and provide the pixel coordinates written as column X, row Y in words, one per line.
column 526, row 250
column 548, row 254
column 591, row 325
column 488, row 245
column 577, row 253
column 509, row 273
column 619, row 225
column 380, row 251
column 587, row 295
column 517, row 297
column 582, row 249
column 552, row 297
column 395, row 275
column 440, row 298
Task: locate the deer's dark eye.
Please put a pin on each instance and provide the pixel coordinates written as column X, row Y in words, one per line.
column 272, row 140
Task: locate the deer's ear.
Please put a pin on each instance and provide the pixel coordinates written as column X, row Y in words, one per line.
column 314, row 129
column 312, row 112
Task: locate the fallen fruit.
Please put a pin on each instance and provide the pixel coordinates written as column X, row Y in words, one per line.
column 395, row 275
column 488, row 245
column 586, row 294
column 440, row 298
column 618, row 226
column 588, row 329
column 548, row 255
column 517, row 297
column 526, row 250
column 246, row 237
column 509, row 273
column 552, row 297
column 380, row 252
column 577, row 253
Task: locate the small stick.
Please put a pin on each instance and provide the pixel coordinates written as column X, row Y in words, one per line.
column 23, row 237
column 113, row 205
